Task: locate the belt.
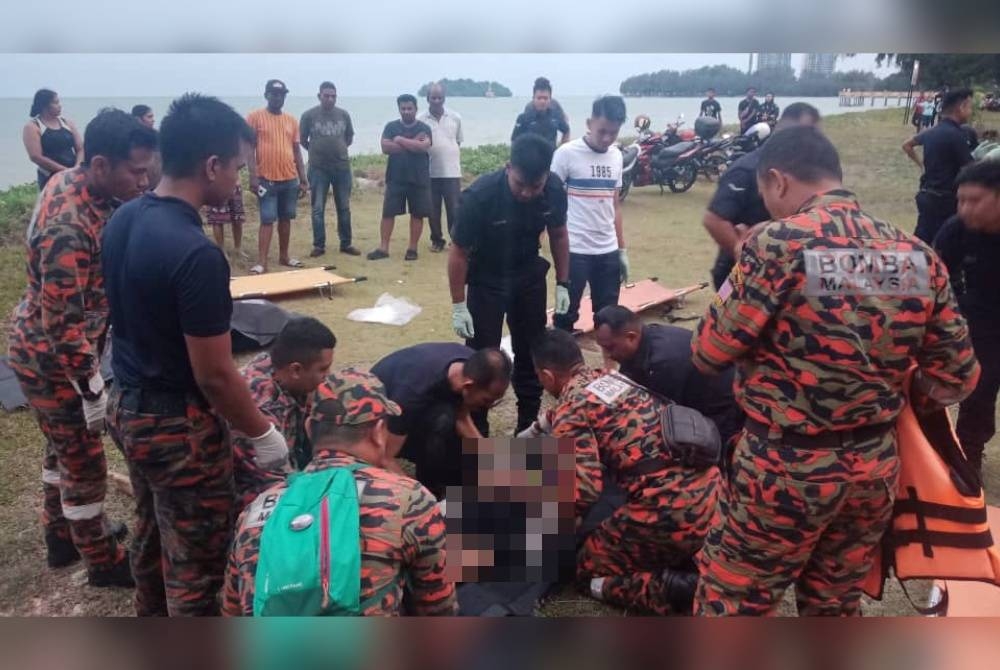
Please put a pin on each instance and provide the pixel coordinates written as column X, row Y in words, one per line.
column 833, row 439
column 163, row 403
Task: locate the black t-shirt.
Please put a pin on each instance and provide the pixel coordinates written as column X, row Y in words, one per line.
column 408, row 167
column 770, row 111
column 417, row 377
column 663, row 365
column 736, row 198
column 947, row 149
column 748, row 111
column 500, row 233
column 711, row 107
column 973, row 261
column 164, row 280
column 547, row 124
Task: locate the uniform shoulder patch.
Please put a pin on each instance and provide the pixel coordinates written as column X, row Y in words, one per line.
column 608, row 388
column 261, row 508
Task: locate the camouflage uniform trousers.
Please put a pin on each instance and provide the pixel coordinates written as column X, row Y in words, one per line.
column 633, row 546
column 181, row 466
column 795, row 516
column 74, row 469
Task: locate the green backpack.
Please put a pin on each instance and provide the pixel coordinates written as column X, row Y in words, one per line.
column 309, row 563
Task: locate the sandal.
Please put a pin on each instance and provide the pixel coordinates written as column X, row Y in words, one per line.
column 294, row 263
column 257, row 269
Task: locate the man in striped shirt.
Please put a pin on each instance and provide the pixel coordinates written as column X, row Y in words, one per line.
column 591, row 168
column 277, row 173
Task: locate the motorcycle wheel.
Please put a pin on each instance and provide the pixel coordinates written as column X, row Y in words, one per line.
column 684, row 179
column 715, row 166
column 626, row 187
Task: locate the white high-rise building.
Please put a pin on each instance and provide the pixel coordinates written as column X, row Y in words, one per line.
column 823, row 64
column 773, row 61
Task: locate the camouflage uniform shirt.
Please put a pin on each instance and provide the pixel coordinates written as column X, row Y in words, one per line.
column 402, row 545
column 287, row 414
column 826, row 312
column 615, row 426
column 64, row 311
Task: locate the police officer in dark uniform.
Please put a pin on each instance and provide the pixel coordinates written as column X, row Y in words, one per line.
column 736, row 205
column 969, row 245
column 947, row 149
column 658, row 356
column 543, row 116
column 494, row 251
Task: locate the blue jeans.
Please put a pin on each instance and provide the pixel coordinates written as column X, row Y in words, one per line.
column 602, row 272
column 320, row 181
column 279, row 201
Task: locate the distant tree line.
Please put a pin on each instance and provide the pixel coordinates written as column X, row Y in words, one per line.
column 466, row 88
column 937, row 70
column 729, row 81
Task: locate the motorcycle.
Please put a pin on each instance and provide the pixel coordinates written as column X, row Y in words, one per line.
column 659, row 159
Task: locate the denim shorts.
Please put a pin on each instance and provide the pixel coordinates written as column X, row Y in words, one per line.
column 280, row 200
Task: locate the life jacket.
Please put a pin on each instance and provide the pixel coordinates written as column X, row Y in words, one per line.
column 939, row 526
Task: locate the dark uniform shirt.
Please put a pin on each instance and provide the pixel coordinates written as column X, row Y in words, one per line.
column 164, row 280
column 663, row 365
column 736, row 198
column 826, row 312
column 973, row 261
column 417, row 377
column 547, row 124
column 947, row 149
column 501, row 234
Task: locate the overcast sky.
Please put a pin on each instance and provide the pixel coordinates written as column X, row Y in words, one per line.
column 123, row 74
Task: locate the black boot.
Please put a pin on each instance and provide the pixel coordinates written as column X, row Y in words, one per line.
column 679, row 588
column 117, row 574
column 61, row 550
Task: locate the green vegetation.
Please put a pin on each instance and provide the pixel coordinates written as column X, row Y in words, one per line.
column 467, row 88
column 475, row 161
column 949, row 69
column 16, row 205
column 665, row 238
column 729, row 81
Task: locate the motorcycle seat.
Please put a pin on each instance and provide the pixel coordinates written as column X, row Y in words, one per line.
column 629, row 154
column 677, row 149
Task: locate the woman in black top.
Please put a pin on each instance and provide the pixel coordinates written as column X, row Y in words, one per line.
column 53, row 143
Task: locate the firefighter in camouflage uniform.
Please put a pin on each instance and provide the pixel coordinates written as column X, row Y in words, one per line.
column 825, row 314
column 57, row 334
column 640, row 557
column 402, row 531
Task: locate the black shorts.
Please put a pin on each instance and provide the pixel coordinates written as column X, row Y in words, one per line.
column 400, row 198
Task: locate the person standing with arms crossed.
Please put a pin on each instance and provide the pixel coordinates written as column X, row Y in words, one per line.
column 277, row 174
column 494, row 251
column 823, row 347
column 446, row 163
column 326, row 131
column 591, row 168
column 177, row 389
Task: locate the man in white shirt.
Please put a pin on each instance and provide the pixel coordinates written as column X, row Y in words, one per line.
column 446, row 165
column 591, row 167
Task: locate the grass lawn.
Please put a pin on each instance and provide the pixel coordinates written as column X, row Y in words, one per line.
column 665, row 240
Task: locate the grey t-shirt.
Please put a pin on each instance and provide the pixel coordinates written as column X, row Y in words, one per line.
column 327, row 135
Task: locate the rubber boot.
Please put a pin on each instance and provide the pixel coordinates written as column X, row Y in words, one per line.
column 116, row 574
column 60, row 550
column 679, row 587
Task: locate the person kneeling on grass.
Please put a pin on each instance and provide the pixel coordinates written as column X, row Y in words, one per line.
column 379, row 533
column 639, row 558
column 280, row 382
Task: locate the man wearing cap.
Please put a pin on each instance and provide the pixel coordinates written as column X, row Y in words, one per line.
column 277, row 173
column 402, row 532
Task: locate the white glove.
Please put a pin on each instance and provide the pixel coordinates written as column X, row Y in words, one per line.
column 95, row 409
column 539, row 427
column 461, row 321
column 270, row 449
column 623, row 265
column 562, row 299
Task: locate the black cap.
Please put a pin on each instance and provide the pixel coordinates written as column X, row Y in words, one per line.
column 275, row 85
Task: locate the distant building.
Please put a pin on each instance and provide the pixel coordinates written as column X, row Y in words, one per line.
column 822, row 64
column 773, row 61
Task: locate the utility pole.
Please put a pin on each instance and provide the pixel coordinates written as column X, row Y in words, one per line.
column 750, row 64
